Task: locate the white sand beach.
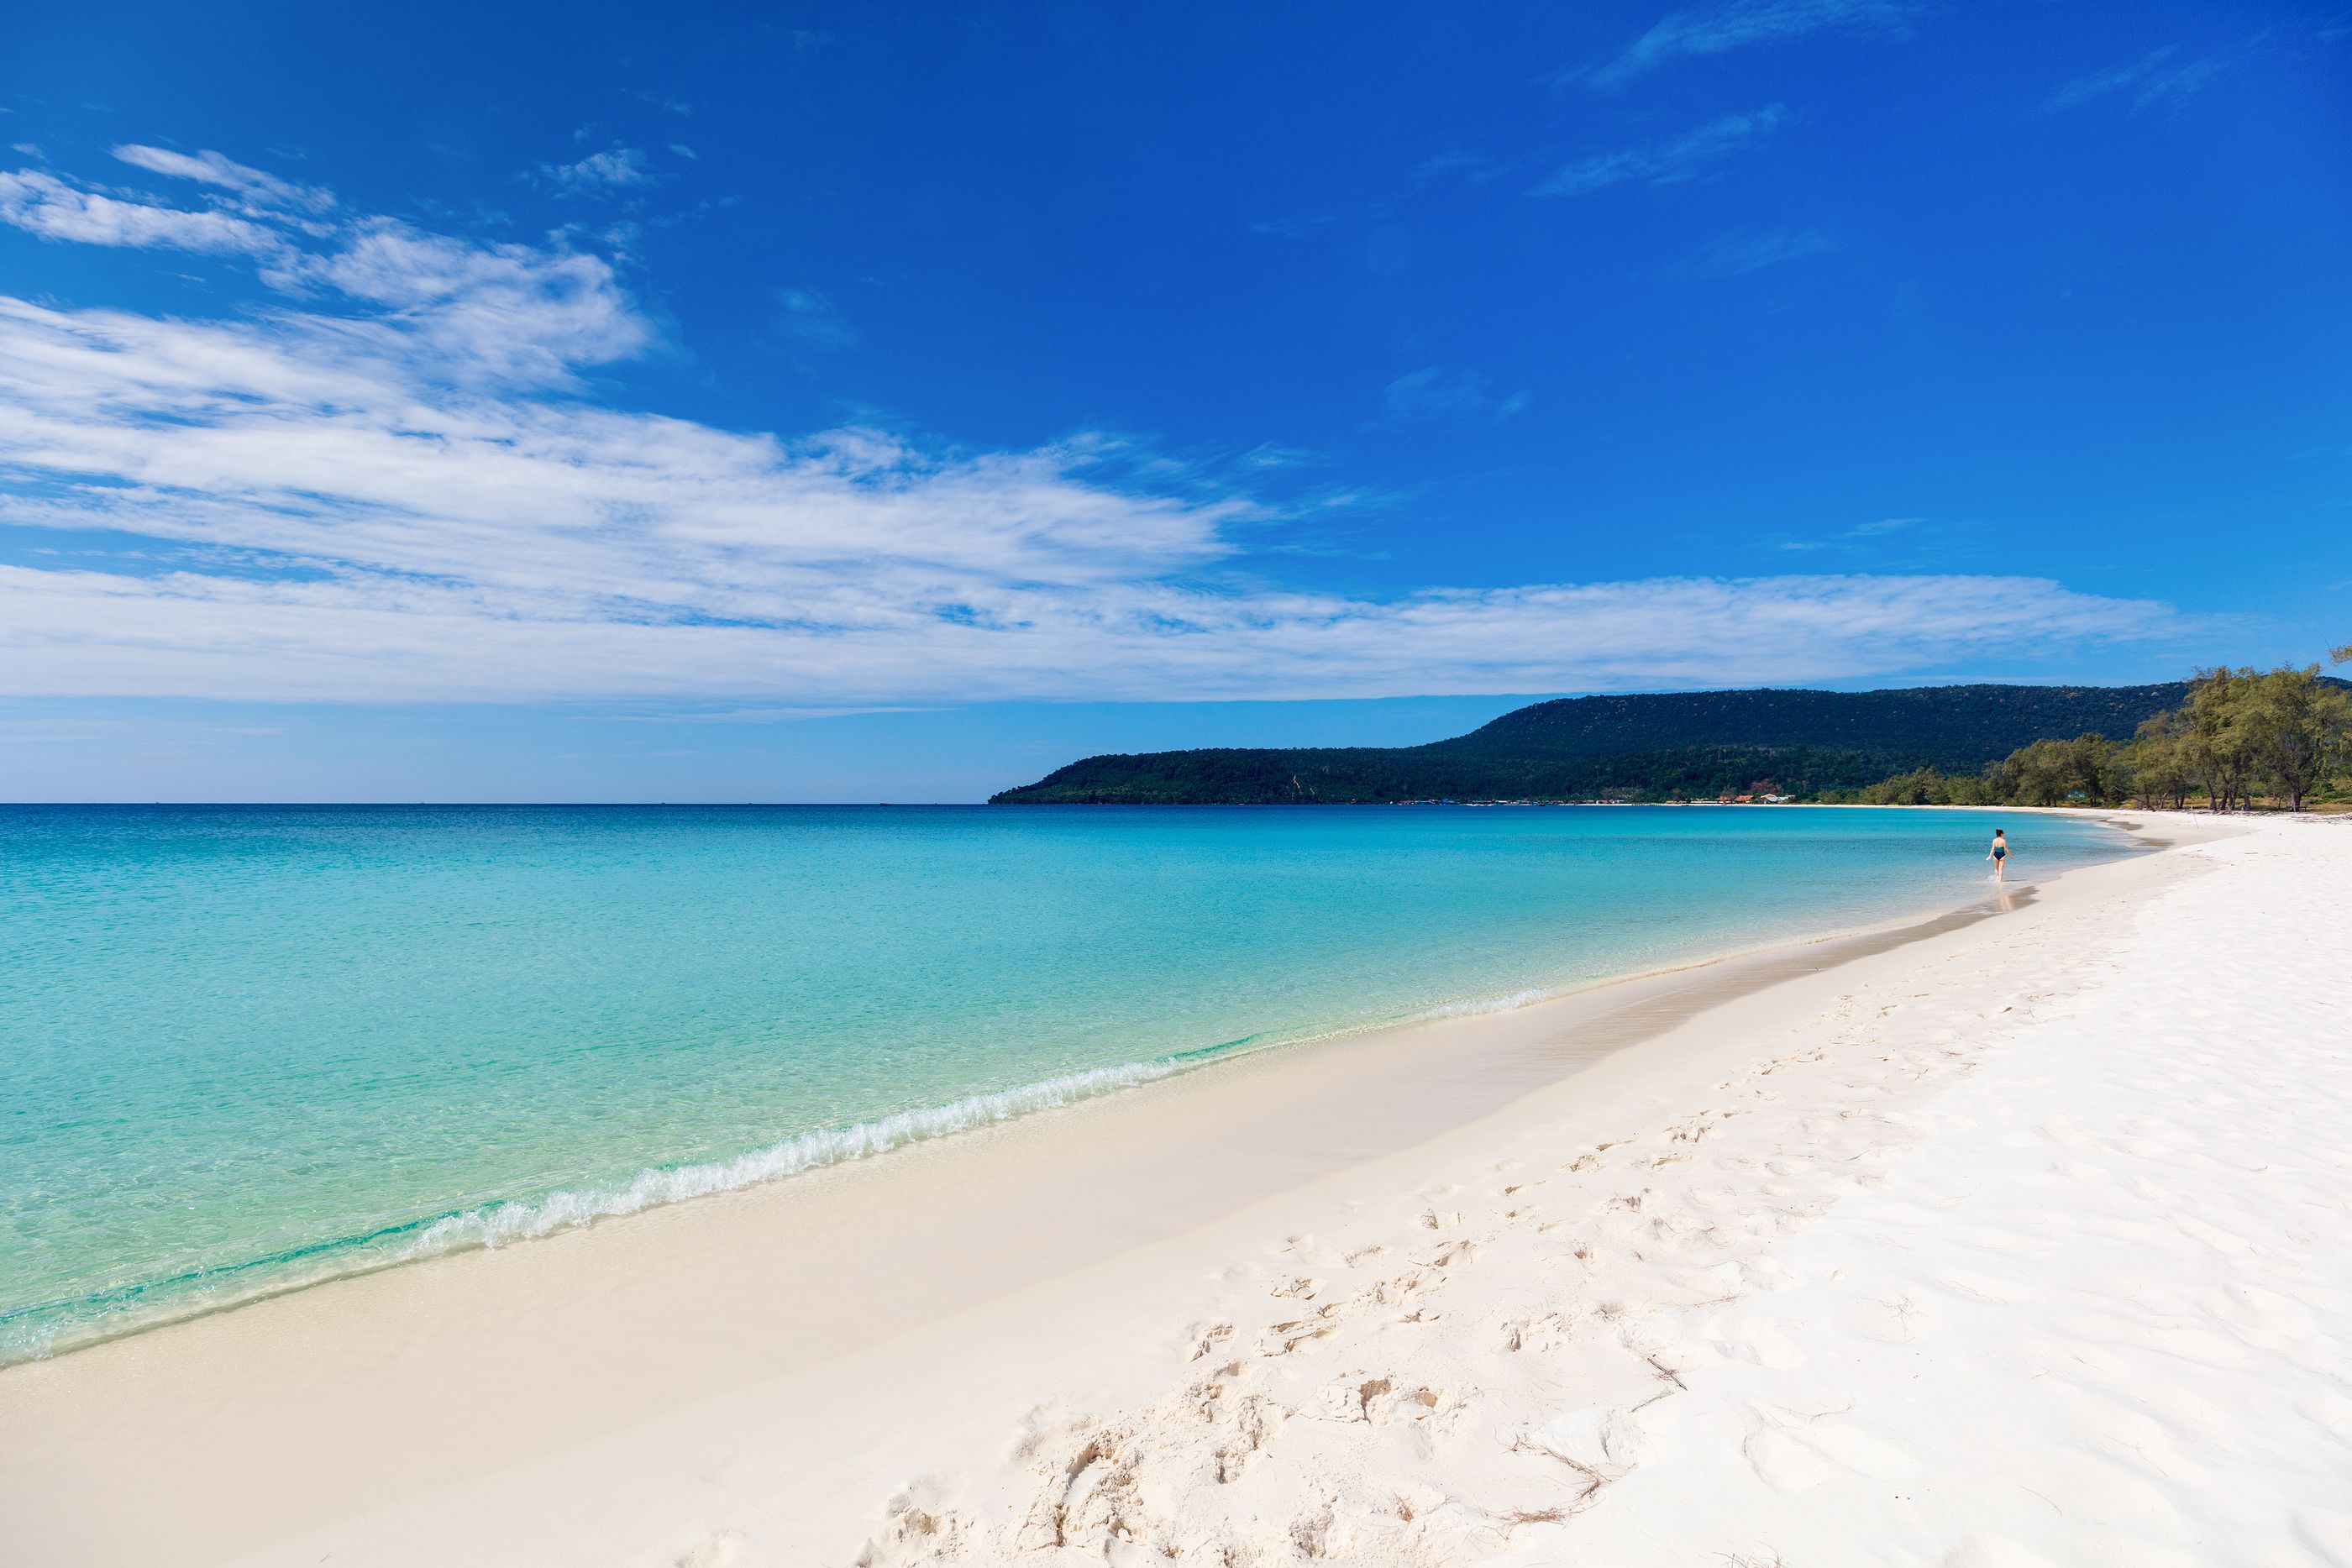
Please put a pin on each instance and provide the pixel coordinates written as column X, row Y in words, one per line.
column 2000, row 1241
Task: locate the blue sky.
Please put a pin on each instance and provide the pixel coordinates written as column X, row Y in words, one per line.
column 892, row 401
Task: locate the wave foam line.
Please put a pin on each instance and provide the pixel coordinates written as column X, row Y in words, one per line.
column 41, row 1329
column 1510, row 1002
column 494, row 1224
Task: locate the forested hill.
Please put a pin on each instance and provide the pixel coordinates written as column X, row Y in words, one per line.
column 1649, row 747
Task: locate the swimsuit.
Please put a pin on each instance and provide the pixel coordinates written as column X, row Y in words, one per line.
column 1998, row 850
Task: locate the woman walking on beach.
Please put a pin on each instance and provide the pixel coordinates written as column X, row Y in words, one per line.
column 2000, row 855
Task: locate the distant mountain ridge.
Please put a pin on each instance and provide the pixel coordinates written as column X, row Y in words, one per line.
column 1659, row 746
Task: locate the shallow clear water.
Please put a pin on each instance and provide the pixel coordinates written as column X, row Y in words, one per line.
column 247, row 1048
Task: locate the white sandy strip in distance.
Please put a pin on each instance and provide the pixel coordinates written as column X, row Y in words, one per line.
column 2024, row 1242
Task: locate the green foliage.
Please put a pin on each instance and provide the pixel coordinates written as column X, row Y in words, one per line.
column 2079, row 772
column 2286, row 734
column 2158, row 764
column 2298, row 729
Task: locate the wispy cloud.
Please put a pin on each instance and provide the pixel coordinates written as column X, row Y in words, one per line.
column 1745, row 251
column 389, row 487
column 1873, row 530
column 1294, row 228
column 1470, row 167
column 1717, row 29
column 212, row 169
column 1450, row 394
column 615, row 169
column 813, row 321
column 45, row 205
column 2160, row 76
column 1686, row 157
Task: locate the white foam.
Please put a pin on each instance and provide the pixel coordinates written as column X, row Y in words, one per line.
column 494, row 1224
column 1509, row 1003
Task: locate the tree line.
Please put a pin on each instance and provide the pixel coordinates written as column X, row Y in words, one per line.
column 2284, row 734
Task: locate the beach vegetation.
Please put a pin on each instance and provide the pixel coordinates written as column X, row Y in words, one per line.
column 2157, row 760
column 2283, row 736
column 2299, row 730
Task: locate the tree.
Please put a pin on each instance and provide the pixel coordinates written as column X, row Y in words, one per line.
column 1920, row 787
column 1971, row 789
column 2219, row 739
column 2341, row 655
column 2159, row 763
column 2297, row 730
column 2080, row 771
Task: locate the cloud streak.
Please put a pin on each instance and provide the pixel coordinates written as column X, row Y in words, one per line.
column 213, row 169
column 616, row 169
column 391, row 486
column 2158, row 77
column 1719, row 30
column 1450, row 395
column 1686, row 157
column 45, row 205
column 1744, row 251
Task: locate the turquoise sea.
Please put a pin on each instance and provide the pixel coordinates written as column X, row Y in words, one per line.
column 248, row 1048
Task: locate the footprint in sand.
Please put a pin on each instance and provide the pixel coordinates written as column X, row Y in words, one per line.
column 1783, row 1464
column 1537, row 1334
column 1376, row 1401
column 1204, row 1338
column 1755, row 1342
column 1599, row 1438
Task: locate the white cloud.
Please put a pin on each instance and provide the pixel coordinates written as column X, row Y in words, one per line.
column 1717, row 29
column 813, row 321
column 1451, row 395
column 389, row 488
column 45, row 205
column 505, row 311
column 1666, row 162
column 2155, row 78
column 621, row 168
column 212, row 169
column 1743, row 251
